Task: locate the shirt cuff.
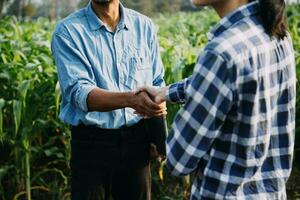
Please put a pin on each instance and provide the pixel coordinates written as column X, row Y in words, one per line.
column 176, row 92
column 82, row 94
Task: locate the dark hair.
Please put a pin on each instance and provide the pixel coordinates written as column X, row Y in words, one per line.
column 273, row 17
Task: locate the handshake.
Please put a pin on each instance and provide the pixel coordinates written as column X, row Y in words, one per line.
column 150, row 102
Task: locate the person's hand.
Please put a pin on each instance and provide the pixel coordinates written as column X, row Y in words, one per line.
column 154, row 154
column 163, row 107
column 157, row 94
column 143, row 105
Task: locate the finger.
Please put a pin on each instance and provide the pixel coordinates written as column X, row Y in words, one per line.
column 161, row 114
column 140, row 113
column 137, row 113
column 161, row 95
column 148, row 107
column 150, row 104
column 159, row 99
column 146, row 115
column 139, row 90
column 161, row 110
column 153, row 151
column 152, row 91
column 161, row 158
column 163, row 106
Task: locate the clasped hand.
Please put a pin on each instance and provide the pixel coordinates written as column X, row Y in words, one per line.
column 150, row 102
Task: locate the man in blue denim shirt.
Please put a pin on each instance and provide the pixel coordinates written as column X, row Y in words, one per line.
column 103, row 53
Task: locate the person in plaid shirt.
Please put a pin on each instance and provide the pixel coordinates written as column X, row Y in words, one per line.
column 236, row 128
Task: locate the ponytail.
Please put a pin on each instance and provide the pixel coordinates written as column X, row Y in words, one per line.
column 273, row 17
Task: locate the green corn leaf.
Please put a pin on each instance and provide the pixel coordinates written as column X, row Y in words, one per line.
column 17, row 110
column 18, row 56
column 23, row 88
column 3, row 56
column 25, row 144
column 4, row 170
column 57, row 97
column 30, row 66
column 2, row 104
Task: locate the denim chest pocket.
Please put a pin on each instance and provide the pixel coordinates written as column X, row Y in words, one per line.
column 139, row 70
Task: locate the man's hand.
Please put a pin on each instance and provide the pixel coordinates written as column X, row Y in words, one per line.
column 157, row 94
column 144, row 105
column 154, row 154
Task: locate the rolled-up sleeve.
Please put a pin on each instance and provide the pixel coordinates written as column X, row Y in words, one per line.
column 75, row 74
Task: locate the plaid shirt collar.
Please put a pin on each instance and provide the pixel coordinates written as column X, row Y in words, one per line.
column 234, row 17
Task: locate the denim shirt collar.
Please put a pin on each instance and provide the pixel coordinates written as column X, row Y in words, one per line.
column 95, row 23
column 234, row 17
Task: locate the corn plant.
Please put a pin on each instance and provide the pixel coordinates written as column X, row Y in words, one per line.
column 34, row 147
column 34, row 144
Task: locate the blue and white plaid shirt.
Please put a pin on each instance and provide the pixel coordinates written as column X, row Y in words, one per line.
column 236, row 128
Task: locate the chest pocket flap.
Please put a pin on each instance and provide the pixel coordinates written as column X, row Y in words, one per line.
column 139, row 69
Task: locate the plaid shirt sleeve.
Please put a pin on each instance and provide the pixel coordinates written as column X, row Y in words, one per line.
column 176, row 92
column 208, row 97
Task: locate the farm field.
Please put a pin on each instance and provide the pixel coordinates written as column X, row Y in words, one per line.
column 35, row 145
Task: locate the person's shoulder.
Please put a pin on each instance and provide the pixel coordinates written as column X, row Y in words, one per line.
column 70, row 22
column 137, row 17
column 220, row 47
column 238, row 40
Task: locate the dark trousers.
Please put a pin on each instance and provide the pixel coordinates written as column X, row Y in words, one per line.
column 110, row 164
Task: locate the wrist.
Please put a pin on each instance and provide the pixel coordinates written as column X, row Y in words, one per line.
column 164, row 92
column 129, row 99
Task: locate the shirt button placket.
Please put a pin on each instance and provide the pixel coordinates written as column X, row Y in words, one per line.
column 117, row 61
column 121, row 80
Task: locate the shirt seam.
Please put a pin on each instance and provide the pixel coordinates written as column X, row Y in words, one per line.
column 229, row 62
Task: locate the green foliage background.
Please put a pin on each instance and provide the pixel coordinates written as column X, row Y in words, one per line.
column 34, row 144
